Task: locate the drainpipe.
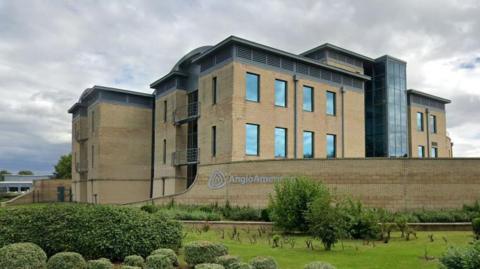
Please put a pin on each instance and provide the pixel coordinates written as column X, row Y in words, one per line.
column 295, row 81
column 428, row 132
column 342, row 91
column 152, row 151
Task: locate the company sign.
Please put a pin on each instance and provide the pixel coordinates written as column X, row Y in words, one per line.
column 218, row 180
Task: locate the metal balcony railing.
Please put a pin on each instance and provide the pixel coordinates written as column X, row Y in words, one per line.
column 186, row 113
column 184, row 157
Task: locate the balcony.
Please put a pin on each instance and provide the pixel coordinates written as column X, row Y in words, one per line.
column 186, row 113
column 184, row 157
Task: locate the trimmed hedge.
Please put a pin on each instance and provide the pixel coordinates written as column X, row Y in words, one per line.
column 92, row 230
column 227, row 260
column 66, row 260
column 203, row 252
column 101, row 263
column 240, row 265
column 319, row 265
column 158, row 261
column 22, row 255
column 134, row 260
column 263, row 263
column 169, row 253
column 209, row 266
column 130, row 267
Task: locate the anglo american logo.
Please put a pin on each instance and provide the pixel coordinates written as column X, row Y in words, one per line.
column 218, row 180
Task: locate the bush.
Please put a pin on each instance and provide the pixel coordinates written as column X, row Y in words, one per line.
column 99, row 264
column 209, row 266
column 360, row 222
column 169, row 253
column 130, row 267
column 203, row 252
column 476, row 227
column 149, row 208
column 227, row 260
column 92, row 230
column 263, row 263
column 454, row 258
column 66, row 260
column 325, row 221
column 289, row 204
column 319, row 265
column 158, row 262
column 23, row 255
column 134, row 260
column 240, row 265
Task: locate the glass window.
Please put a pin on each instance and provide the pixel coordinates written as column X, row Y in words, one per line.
column 433, row 124
column 420, row 121
column 331, row 105
column 93, row 155
column 164, row 151
column 252, row 137
column 434, row 152
column 93, row 121
column 214, row 90
column 280, row 93
column 308, row 145
column 214, row 141
column 253, row 87
column 165, row 111
column 421, row 151
column 280, row 142
column 331, row 146
column 307, row 98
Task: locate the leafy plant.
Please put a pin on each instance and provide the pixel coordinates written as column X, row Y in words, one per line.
column 203, row 252
column 476, row 227
column 209, row 266
column 263, row 263
column 319, row 265
column 23, row 255
column 102, row 263
column 66, row 260
column 158, row 261
column 169, row 253
column 134, row 260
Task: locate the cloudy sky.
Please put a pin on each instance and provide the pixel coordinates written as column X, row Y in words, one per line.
column 50, row 51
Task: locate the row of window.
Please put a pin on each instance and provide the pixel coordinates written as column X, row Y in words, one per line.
column 433, row 152
column 252, row 142
column 432, row 123
column 281, row 93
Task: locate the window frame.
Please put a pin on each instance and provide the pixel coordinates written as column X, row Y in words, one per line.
column 433, row 123
column 214, row 90
column 258, row 87
column 435, row 151
column 334, row 146
column 164, row 153
column 423, row 151
column 214, row 141
column 258, row 139
column 285, row 93
column 285, row 149
column 313, row 144
column 165, row 110
column 312, row 98
column 420, row 128
column 334, row 103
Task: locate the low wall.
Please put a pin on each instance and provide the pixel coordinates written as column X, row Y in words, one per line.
column 43, row 191
column 395, row 184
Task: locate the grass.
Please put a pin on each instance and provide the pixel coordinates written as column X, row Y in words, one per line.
column 397, row 254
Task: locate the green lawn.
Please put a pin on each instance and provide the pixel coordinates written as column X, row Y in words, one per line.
column 398, row 254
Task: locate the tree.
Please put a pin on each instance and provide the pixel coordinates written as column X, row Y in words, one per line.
column 63, row 169
column 3, row 173
column 25, row 173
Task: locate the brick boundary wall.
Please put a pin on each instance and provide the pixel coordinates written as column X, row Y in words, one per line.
column 394, row 184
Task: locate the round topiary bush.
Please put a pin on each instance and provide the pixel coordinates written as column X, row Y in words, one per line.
column 319, row 265
column 240, row 265
column 476, row 227
column 167, row 252
column 158, row 261
column 134, row 260
column 102, row 263
column 263, row 263
column 227, row 260
column 23, row 255
column 209, row 266
column 130, row 267
column 66, row 260
column 203, row 252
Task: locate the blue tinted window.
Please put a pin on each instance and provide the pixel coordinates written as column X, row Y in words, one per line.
column 433, row 124
column 331, row 103
column 280, row 93
column 421, row 151
column 307, row 98
column 253, row 87
column 331, row 146
column 419, row 121
column 251, row 141
column 280, row 142
column 308, row 145
column 434, row 152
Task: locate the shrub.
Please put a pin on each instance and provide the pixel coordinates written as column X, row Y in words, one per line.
column 66, row 260
column 209, row 266
column 23, row 255
column 325, row 222
column 134, row 260
column 130, row 267
column 158, row 261
column 149, row 208
column 319, row 265
column 203, row 252
column 240, row 265
column 169, row 253
column 476, row 227
column 227, row 260
column 360, row 222
column 99, row 264
column 466, row 258
column 290, row 202
column 92, row 230
column 263, row 263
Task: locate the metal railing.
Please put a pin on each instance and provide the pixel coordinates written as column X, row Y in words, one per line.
column 184, row 157
column 186, row 113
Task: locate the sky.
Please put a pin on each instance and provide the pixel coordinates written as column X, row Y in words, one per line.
column 50, row 51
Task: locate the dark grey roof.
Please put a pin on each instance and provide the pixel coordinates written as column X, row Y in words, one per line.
column 433, row 97
column 336, row 48
column 391, row 57
column 238, row 40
